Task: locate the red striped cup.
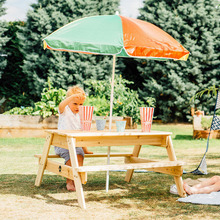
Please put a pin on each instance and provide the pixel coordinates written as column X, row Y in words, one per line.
column 85, row 114
column 146, row 118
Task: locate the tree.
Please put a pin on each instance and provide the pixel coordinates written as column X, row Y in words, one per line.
column 3, row 54
column 3, row 40
column 63, row 68
column 13, row 82
column 195, row 24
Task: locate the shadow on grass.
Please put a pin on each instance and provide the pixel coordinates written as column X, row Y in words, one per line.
column 145, row 190
column 183, row 137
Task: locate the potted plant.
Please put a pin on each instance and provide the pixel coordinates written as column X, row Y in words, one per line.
column 101, row 122
column 205, row 124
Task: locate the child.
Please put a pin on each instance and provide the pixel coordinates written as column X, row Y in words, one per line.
column 208, row 186
column 69, row 120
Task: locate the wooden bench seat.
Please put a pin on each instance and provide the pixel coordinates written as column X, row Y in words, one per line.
column 168, row 167
column 148, row 166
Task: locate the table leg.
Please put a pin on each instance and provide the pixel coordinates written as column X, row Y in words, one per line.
column 172, row 157
column 135, row 153
column 77, row 180
column 43, row 159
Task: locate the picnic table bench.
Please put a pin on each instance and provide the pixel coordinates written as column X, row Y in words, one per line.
column 72, row 139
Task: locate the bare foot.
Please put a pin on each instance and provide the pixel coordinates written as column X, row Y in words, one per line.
column 70, row 185
column 187, row 188
column 86, row 151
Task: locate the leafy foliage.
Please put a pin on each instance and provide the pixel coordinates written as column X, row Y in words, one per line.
column 212, row 90
column 3, row 40
column 217, row 112
column 206, row 122
column 13, row 84
column 20, row 111
column 125, row 103
column 101, row 105
column 195, row 24
column 50, row 99
column 63, row 68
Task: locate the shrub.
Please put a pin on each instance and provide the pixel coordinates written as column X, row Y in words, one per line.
column 125, row 103
column 206, row 122
column 50, row 99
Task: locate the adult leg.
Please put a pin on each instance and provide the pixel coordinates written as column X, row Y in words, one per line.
column 208, row 182
column 211, row 185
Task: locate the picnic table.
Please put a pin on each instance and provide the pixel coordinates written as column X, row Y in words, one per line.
column 72, row 139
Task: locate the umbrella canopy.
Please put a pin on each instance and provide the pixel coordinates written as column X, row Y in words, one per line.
column 116, row 35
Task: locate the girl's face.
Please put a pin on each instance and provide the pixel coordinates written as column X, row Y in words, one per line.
column 74, row 105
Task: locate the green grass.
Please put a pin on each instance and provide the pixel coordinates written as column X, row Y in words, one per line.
column 145, row 197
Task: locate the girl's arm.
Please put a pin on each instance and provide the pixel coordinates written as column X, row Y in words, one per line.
column 72, row 98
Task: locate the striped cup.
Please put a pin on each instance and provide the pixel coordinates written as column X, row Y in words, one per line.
column 85, row 114
column 146, row 118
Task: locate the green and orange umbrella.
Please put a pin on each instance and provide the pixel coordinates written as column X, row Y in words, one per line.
column 118, row 36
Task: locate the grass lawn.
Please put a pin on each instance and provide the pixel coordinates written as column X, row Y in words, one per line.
column 145, row 197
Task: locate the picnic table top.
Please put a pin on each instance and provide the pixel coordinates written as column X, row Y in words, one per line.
column 129, row 132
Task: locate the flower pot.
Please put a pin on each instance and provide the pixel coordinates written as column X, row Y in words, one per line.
column 197, row 134
column 120, row 125
column 100, row 124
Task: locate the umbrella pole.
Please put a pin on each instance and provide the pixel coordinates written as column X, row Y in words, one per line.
column 112, row 92
column 110, row 120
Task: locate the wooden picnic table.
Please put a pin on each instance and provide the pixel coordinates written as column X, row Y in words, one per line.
column 72, row 139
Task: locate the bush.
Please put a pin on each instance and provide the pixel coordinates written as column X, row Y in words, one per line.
column 20, row 111
column 50, row 99
column 125, row 103
column 101, row 105
column 206, row 122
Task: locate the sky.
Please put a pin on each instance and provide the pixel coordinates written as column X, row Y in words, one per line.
column 17, row 9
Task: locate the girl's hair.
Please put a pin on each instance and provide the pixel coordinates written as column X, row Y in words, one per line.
column 75, row 90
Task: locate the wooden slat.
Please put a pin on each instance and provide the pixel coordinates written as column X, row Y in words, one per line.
column 91, row 155
column 135, row 153
column 49, row 156
column 130, row 132
column 137, row 160
column 60, row 141
column 111, row 155
column 155, row 140
column 42, row 161
column 64, row 170
column 130, row 166
column 174, row 171
column 75, row 164
column 172, row 157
